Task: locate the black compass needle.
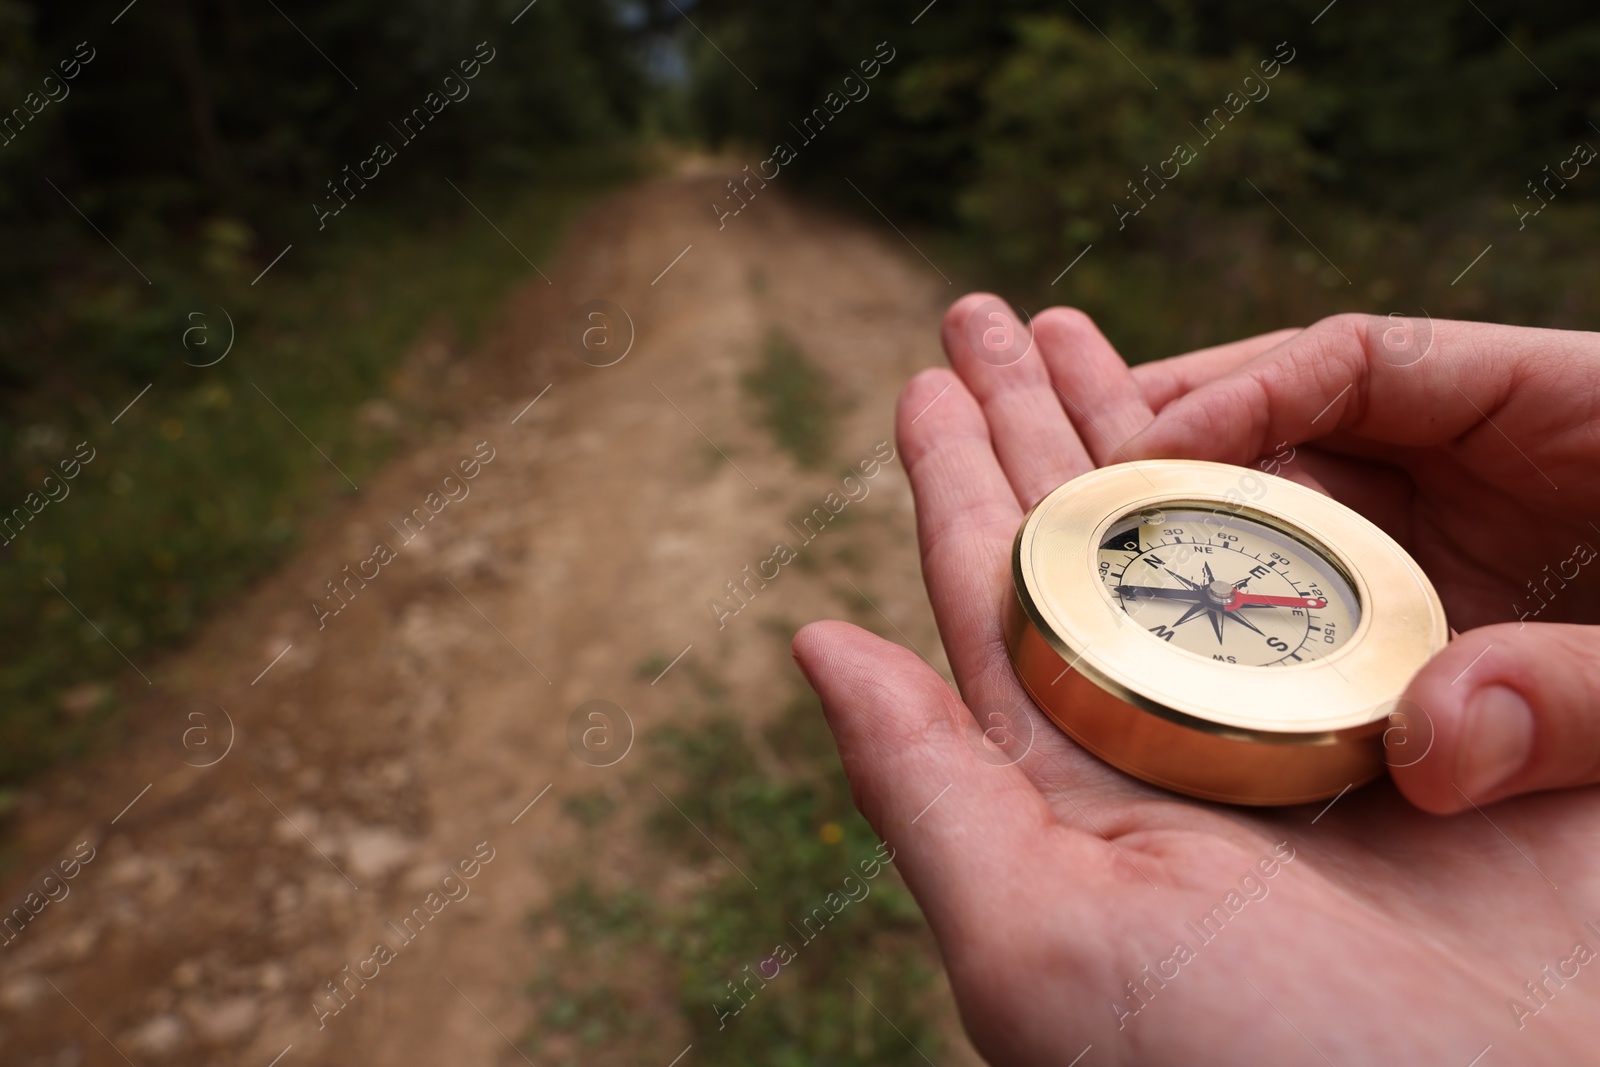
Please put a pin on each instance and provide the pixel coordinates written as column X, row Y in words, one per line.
column 1246, row 623
column 1180, row 578
column 1136, row 591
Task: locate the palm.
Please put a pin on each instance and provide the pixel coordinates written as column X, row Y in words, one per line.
column 1387, row 918
column 1054, row 881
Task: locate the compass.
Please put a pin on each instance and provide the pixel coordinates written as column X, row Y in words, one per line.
column 1218, row 631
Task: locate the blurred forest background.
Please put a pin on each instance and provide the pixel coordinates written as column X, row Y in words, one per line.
column 1401, row 141
column 174, row 172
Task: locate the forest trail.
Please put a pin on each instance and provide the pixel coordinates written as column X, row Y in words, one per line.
column 427, row 722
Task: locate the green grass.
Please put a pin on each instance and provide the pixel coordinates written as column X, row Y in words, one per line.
column 797, row 403
column 650, row 667
column 590, row 809
column 787, row 821
column 203, row 486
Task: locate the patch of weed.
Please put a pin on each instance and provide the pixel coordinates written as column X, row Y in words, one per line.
column 651, row 666
column 590, row 809
column 799, row 839
column 797, row 403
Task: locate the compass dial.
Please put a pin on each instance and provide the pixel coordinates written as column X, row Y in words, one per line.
column 1227, row 587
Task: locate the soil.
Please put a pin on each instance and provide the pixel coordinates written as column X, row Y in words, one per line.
column 411, row 731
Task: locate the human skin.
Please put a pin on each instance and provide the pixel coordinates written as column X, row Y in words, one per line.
column 1413, row 910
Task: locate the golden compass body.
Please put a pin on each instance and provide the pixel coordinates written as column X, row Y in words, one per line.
column 1218, row 631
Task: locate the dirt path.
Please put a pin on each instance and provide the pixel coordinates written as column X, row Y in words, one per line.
column 421, row 720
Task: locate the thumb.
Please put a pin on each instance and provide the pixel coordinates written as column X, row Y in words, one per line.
column 908, row 747
column 1504, row 710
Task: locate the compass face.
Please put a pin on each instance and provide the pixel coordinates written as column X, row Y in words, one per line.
column 1227, row 587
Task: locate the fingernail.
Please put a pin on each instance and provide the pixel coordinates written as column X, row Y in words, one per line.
column 1497, row 739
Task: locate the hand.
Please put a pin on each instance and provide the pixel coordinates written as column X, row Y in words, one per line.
column 1061, row 890
column 1481, row 458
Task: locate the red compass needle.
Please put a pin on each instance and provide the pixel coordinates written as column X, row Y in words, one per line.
column 1255, row 600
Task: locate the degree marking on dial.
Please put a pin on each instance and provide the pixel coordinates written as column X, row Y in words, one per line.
column 1300, row 616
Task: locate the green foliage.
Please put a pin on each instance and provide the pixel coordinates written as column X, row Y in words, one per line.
column 188, row 111
column 797, row 403
column 1396, row 141
column 204, row 484
column 787, row 821
column 151, row 168
column 1070, row 125
column 1416, row 101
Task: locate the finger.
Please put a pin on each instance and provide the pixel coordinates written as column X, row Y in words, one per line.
column 1488, row 386
column 995, row 355
column 1380, row 491
column 1103, row 401
column 1164, row 380
column 954, row 821
column 967, row 516
column 1513, row 709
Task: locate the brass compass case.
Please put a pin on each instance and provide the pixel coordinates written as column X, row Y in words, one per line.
column 1301, row 729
